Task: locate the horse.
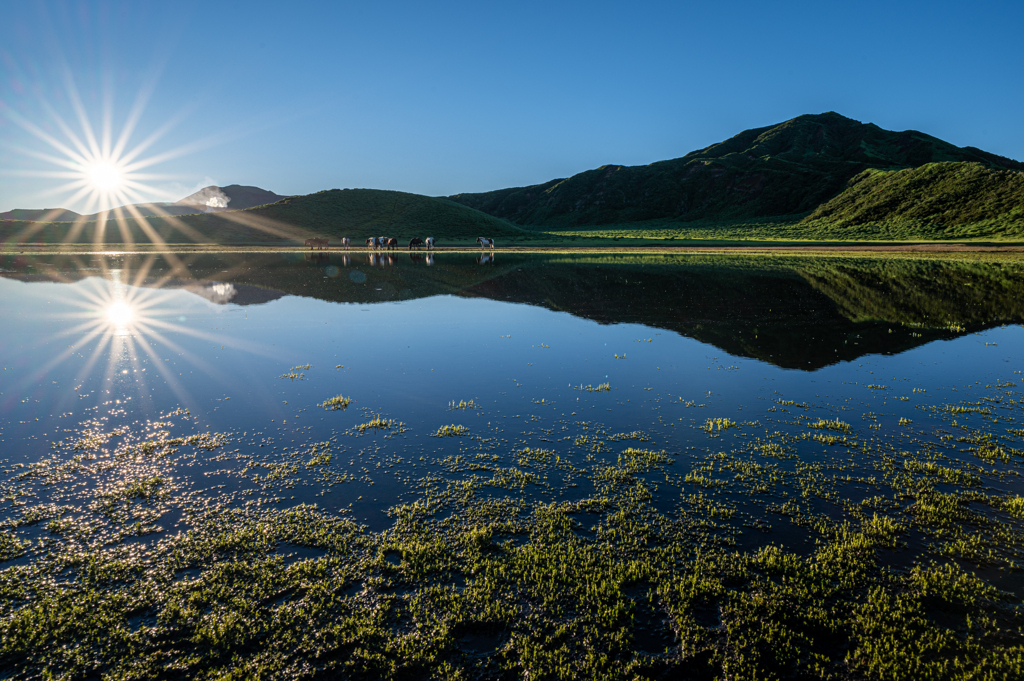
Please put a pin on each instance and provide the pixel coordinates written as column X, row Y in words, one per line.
column 316, row 243
column 392, row 243
column 308, row 243
column 485, row 243
column 371, row 243
column 430, row 243
column 415, row 241
column 346, row 242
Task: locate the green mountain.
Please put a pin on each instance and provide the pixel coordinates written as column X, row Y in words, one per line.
column 336, row 213
column 964, row 200
column 788, row 169
column 40, row 214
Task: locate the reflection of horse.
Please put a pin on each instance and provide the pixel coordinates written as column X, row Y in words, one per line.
column 318, row 258
column 415, row 257
column 430, row 259
column 316, row 243
column 485, row 259
column 372, row 258
column 346, row 242
column 485, row 243
column 415, row 241
column 346, row 260
column 430, row 243
column 390, row 260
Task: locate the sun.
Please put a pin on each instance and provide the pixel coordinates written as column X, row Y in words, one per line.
column 104, row 176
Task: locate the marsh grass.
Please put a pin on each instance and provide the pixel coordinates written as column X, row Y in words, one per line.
column 379, row 423
column 714, row 427
column 452, row 430
column 336, row 403
column 505, row 560
column 600, row 388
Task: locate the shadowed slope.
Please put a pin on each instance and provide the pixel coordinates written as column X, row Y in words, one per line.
column 785, row 169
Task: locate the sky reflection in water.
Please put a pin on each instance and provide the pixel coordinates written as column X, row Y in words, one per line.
column 770, row 345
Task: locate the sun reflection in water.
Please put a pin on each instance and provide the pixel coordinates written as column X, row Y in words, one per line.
column 120, row 315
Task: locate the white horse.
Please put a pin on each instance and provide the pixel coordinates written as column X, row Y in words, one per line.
column 371, row 243
column 485, row 243
column 345, row 242
column 430, row 243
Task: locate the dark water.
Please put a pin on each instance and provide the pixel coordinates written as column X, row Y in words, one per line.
column 250, row 344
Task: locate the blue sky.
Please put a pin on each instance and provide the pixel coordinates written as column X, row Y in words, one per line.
column 445, row 97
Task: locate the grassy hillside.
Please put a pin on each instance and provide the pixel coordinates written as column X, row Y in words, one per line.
column 786, row 169
column 355, row 213
column 44, row 214
column 936, row 200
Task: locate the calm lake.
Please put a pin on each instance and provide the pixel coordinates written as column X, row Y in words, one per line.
column 741, row 401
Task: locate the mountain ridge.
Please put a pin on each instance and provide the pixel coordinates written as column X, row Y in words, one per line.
column 209, row 199
column 788, row 169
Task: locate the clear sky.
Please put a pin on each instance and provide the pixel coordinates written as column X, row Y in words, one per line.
column 446, row 97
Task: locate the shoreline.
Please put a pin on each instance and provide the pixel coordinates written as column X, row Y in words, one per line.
column 734, row 247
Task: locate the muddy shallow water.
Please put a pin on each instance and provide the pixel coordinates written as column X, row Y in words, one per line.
column 752, row 401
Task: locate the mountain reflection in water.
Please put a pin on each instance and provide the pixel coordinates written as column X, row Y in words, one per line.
column 800, row 312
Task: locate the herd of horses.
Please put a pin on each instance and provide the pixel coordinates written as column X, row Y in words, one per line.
column 387, row 243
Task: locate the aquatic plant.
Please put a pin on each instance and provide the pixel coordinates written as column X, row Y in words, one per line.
column 379, row 423
column 715, row 426
column 336, row 403
column 451, row 431
column 833, row 424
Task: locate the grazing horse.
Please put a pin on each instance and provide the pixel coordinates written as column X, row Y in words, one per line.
column 392, row 243
column 316, row 243
column 485, row 243
column 430, row 243
column 415, row 241
column 346, row 242
column 371, row 243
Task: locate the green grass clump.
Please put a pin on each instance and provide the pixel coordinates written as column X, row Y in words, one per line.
column 1015, row 506
column 451, row 431
column 335, row 403
column 638, row 435
column 715, row 426
column 831, row 424
column 11, row 546
column 379, row 423
column 600, row 388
